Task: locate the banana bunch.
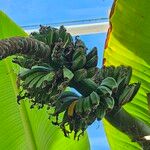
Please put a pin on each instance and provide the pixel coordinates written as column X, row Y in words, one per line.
column 123, row 92
column 41, row 84
column 51, row 62
column 79, row 55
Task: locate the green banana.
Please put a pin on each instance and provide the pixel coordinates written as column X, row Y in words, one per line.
column 104, row 91
column 110, row 71
column 123, row 78
column 40, row 82
column 78, row 52
column 34, row 81
column 67, row 94
column 79, row 107
column 95, row 99
column 42, row 68
column 55, row 36
column 91, row 72
column 79, row 62
column 109, row 101
column 89, row 84
column 117, row 72
column 128, row 93
column 92, row 62
column 100, row 112
column 80, row 74
column 30, row 78
column 110, row 83
column 136, row 89
column 50, row 37
column 67, row 73
column 62, row 33
column 49, row 77
column 87, row 105
column 24, row 74
column 68, row 39
column 128, row 76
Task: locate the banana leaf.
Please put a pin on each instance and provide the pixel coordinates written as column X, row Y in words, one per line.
column 20, row 127
column 128, row 44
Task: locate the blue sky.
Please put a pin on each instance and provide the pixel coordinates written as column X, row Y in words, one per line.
column 36, row 12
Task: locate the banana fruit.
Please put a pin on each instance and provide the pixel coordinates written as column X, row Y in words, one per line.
column 95, row 99
column 110, row 83
column 92, row 58
column 80, row 74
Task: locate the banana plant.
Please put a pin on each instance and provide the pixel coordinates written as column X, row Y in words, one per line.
column 52, row 61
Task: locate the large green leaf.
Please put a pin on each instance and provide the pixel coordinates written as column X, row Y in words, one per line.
column 20, row 127
column 128, row 43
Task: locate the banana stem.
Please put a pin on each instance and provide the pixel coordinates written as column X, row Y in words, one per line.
column 136, row 129
column 23, row 45
column 82, row 87
column 133, row 127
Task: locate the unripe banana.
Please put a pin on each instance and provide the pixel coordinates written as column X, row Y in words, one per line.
column 42, row 68
column 35, row 81
column 55, row 35
column 80, row 74
column 91, row 72
column 109, row 102
column 62, row 33
column 90, row 84
column 136, row 89
column 110, row 70
column 128, row 76
column 68, row 39
column 30, row 78
column 95, row 99
column 92, row 62
column 48, row 79
column 104, row 91
column 78, row 52
column 67, row 73
column 40, row 82
column 23, row 75
column 79, row 62
column 67, row 94
column 87, row 105
column 79, row 107
column 117, row 72
column 110, row 83
column 100, row 113
column 49, row 37
column 128, row 93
